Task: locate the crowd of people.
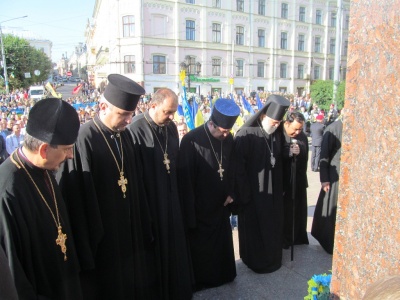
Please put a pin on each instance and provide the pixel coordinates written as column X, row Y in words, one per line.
column 120, row 200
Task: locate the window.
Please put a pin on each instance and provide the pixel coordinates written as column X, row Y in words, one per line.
column 128, row 26
column 345, row 47
column 260, row 69
column 239, row 35
column 344, row 71
column 316, row 72
column 261, row 7
column 284, row 10
column 300, row 71
column 216, row 33
column 159, row 66
column 283, row 40
column 216, row 67
column 301, row 43
column 347, row 22
column 261, row 38
column 240, row 5
column 239, row 67
column 190, row 1
column 283, row 70
column 216, row 3
column 302, row 14
column 332, row 46
column 190, row 30
column 331, row 73
column 129, row 64
column 317, row 44
column 333, row 19
column 318, row 17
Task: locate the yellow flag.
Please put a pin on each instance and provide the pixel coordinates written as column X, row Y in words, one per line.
column 199, row 120
column 50, row 89
column 239, row 123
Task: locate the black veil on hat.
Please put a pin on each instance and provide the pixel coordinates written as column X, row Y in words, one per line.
column 275, row 108
column 53, row 121
column 225, row 113
column 123, row 92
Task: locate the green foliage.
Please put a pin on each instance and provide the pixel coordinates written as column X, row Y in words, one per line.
column 22, row 58
column 322, row 93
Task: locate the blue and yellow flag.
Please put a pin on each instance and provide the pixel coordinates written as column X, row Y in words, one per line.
column 187, row 111
column 50, row 89
column 247, row 105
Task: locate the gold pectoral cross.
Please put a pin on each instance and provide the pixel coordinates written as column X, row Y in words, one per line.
column 61, row 238
column 220, row 171
column 122, row 182
column 166, row 162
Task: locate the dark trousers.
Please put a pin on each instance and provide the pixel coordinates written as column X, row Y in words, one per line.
column 315, row 156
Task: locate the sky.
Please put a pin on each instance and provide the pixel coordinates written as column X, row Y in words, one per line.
column 61, row 22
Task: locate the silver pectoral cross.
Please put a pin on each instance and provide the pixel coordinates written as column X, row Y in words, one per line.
column 272, row 160
column 122, row 182
column 166, row 162
column 221, row 171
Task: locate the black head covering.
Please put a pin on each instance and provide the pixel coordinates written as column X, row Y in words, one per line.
column 225, row 113
column 123, row 92
column 53, row 121
column 275, row 108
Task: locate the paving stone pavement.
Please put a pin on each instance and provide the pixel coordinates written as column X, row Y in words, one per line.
column 290, row 281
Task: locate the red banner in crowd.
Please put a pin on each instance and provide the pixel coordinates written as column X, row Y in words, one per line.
column 77, row 89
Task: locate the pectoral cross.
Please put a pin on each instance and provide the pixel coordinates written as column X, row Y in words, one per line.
column 220, row 171
column 272, row 160
column 61, row 238
column 166, row 162
column 122, row 182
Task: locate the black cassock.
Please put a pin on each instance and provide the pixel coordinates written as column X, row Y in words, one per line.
column 259, row 189
column 110, row 230
column 28, row 235
column 171, row 258
column 203, row 195
column 323, row 227
column 300, row 210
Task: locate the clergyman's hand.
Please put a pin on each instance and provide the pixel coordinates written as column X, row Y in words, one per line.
column 326, row 186
column 228, row 200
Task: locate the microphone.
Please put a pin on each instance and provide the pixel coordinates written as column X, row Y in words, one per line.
column 293, row 142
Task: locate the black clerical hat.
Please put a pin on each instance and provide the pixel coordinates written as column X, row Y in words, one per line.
column 225, row 113
column 275, row 108
column 53, row 121
column 123, row 92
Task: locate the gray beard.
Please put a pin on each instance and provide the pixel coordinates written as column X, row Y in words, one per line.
column 269, row 129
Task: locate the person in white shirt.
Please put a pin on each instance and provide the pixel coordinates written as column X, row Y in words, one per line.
column 14, row 140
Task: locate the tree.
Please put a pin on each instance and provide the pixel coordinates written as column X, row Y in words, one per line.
column 22, row 58
column 322, row 93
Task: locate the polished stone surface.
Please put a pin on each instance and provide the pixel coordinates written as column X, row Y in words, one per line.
column 367, row 241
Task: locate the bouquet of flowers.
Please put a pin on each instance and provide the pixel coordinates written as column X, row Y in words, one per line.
column 318, row 287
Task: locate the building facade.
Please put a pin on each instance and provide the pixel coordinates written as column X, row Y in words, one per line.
column 225, row 46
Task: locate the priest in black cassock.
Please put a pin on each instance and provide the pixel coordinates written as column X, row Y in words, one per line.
column 157, row 144
column 295, row 173
column 101, row 190
column 324, row 221
column 259, row 186
column 206, row 193
column 35, row 232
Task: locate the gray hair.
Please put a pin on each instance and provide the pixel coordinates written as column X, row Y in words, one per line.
column 33, row 144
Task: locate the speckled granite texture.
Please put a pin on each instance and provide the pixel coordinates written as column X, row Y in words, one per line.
column 367, row 241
